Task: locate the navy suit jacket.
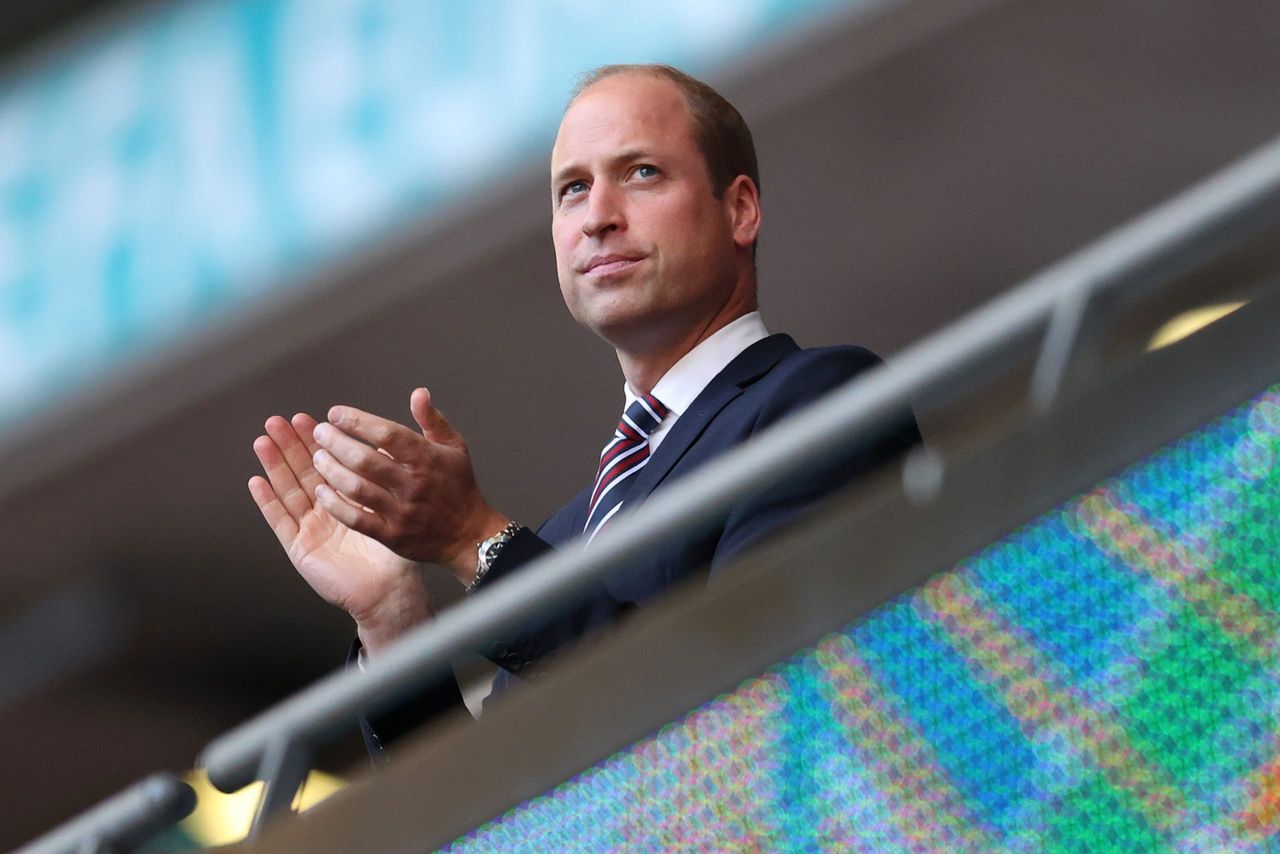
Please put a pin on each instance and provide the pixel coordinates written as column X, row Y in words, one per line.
column 768, row 381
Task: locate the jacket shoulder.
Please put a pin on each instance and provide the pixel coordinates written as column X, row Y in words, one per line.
column 803, row 376
column 844, row 359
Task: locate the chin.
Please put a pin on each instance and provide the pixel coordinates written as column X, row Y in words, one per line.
column 635, row 335
column 614, row 330
column 611, row 313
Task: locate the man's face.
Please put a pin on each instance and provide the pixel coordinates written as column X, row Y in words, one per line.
column 644, row 250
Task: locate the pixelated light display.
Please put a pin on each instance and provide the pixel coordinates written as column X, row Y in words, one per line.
column 1106, row 678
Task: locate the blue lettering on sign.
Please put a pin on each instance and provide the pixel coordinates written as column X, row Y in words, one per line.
column 164, row 170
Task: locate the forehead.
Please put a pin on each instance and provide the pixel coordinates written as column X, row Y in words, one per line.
column 622, row 113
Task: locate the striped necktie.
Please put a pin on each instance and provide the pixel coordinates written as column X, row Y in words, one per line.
column 625, row 455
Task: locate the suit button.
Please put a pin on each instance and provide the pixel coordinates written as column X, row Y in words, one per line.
column 513, row 662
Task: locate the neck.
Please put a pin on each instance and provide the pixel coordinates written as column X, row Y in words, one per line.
column 643, row 368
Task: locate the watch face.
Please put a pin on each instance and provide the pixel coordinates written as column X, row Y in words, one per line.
column 490, row 548
column 493, row 545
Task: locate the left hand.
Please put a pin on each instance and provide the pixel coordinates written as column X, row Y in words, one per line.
column 419, row 491
column 384, row 593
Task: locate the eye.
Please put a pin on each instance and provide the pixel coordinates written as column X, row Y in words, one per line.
column 571, row 189
column 646, row 170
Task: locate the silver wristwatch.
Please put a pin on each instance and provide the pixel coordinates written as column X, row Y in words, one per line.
column 487, row 552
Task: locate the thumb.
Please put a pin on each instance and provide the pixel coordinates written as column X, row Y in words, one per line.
column 434, row 425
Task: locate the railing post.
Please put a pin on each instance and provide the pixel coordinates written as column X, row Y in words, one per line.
column 285, row 765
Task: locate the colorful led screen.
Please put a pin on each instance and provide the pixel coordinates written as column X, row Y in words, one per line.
column 1104, row 679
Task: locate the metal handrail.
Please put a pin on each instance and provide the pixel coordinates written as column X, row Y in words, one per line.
column 1044, row 313
column 122, row 821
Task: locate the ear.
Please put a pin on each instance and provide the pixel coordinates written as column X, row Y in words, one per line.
column 742, row 209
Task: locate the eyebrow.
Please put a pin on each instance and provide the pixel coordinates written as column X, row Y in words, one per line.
column 622, row 157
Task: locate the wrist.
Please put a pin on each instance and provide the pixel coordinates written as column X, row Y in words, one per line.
column 462, row 558
column 488, row 551
column 395, row 614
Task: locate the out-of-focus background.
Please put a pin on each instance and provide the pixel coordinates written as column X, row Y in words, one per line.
column 216, row 210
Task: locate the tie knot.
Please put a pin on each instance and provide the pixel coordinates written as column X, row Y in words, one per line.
column 642, row 417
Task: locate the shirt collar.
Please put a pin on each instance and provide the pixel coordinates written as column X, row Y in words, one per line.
column 688, row 377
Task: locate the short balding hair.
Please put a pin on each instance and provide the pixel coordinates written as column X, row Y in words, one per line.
column 722, row 136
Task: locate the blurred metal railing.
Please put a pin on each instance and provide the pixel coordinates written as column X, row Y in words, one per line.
column 121, row 822
column 1042, row 318
column 711, row 653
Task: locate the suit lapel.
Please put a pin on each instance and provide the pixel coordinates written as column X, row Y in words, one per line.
column 751, row 364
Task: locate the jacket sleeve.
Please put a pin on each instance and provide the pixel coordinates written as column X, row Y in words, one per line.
column 515, row 654
column 431, row 699
column 519, row 652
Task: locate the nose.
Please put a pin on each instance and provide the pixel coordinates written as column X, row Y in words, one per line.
column 604, row 210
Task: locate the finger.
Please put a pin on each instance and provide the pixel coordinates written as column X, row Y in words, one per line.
column 432, row 421
column 293, row 446
column 398, row 439
column 351, row 485
column 355, row 518
column 304, row 425
column 281, row 523
column 284, row 481
column 355, row 455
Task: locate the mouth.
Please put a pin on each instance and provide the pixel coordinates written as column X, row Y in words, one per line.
column 608, row 265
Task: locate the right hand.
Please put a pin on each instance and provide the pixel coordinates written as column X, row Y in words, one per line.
column 414, row 492
column 383, row 592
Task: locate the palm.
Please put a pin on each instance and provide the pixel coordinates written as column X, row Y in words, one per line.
column 346, row 568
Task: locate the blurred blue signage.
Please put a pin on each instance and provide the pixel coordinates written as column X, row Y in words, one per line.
column 167, row 168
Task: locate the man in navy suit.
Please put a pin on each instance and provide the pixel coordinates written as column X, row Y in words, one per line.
column 655, row 214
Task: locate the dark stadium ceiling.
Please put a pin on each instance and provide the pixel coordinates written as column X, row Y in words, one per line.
column 26, row 22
